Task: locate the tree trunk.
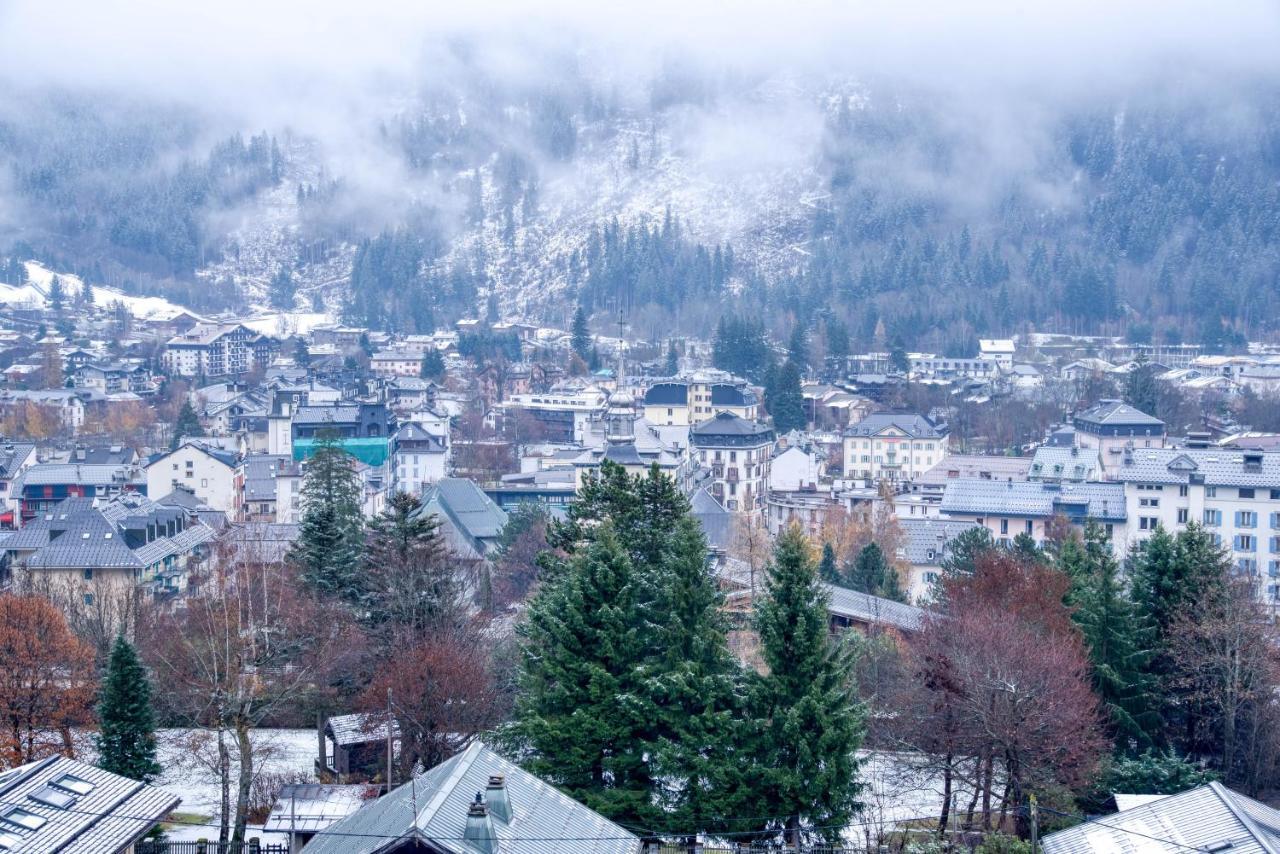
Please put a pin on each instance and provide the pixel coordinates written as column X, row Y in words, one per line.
column 245, row 749
column 946, row 795
column 224, row 784
column 987, row 773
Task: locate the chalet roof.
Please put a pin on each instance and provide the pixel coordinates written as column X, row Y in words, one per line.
column 726, row 424
column 1206, row 818
column 358, row 728
column 1216, row 466
column 465, row 504
column 865, row 608
column 96, row 810
column 433, row 809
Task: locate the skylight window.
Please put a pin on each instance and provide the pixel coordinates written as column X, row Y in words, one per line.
column 74, row 784
column 9, row 841
column 51, row 797
column 22, row 819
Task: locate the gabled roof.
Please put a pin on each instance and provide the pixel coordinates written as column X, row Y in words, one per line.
column 1030, row 499
column 865, row 608
column 312, row 807
column 359, row 729
column 1116, row 413
column 101, row 812
column 1206, row 818
column 465, row 504
column 543, row 819
column 911, row 424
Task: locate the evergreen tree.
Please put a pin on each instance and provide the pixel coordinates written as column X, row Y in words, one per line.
column 806, row 706
column 57, row 295
column 409, row 583
column 1116, row 639
column 331, row 534
column 126, row 738
column 301, row 354
column 828, row 571
column 963, row 551
column 282, row 290
column 899, row 360
column 691, row 685
column 580, row 335
column 1141, row 390
column 187, row 425
column 786, row 403
column 1024, row 546
column 432, row 365
column 871, row 573
column 798, row 347
column 582, row 651
column 672, row 365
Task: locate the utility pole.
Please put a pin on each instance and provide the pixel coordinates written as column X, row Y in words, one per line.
column 1035, row 824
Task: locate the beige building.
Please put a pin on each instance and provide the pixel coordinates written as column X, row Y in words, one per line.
column 893, row 446
column 694, row 397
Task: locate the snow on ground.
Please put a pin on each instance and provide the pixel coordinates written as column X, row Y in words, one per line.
column 286, row 324
column 39, row 278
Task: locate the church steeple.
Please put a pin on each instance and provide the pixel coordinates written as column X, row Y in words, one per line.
column 620, row 417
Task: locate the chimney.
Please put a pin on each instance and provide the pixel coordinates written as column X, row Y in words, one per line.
column 479, row 833
column 495, row 795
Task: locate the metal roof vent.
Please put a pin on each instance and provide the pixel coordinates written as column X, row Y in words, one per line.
column 479, row 831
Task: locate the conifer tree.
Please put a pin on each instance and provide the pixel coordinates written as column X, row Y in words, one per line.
column 432, row 365
column 57, row 294
column 786, row 403
column 581, row 721
column 187, row 425
column 580, row 335
column 963, row 551
column 672, row 365
column 691, row 685
column 1116, row 638
column 806, row 706
column 872, row 573
column 331, row 534
column 828, row 571
column 126, row 738
column 408, row 584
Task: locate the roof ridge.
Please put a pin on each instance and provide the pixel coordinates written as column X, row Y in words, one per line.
column 1228, row 798
column 464, row 760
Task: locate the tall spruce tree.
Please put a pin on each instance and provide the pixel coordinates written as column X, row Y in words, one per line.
column 432, row 367
column 331, row 535
column 671, row 366
column 786, row 402
column 691, row 684
column 408, row 584
column 806, row 706
column 963, row 551
column 872, row 573
column 828, row 570
column 126, row 738
column 580, row 335
column 1116, row 637
column 582, row 719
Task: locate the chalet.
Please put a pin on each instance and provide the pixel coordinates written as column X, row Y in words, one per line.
column 60, row 806
column 475, row 803
column 215, row 350
column 356, row 747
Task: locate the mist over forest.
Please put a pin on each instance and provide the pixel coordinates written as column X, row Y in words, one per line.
column 912, row 175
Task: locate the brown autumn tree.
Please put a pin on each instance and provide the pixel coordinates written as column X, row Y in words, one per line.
column 47, row 681
column 1223, row 650
column 441, row 692
column 251, row 644
column 1002, row 690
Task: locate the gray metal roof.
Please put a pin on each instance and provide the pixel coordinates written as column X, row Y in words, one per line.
column 1217, row 466
column 985, row 466
column 326, row 415
column 1051, row 462
column 1198, row 819
column 912, row 424
column 87, row 474
column 925, row 541
column 543, row 819
column 359, row 728
column 465, row 503
column 109, row 817
column 1116, row 413
column 865, row 608
column 728, row 424
column 971, row 496
column 311, row 807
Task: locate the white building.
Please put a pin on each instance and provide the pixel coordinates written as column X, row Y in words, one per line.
column 998, row 350
column 207, row 472
column 893, row 446
column 1010, row 508
column 419, row 457
column 212, row 349
column 1112, row 427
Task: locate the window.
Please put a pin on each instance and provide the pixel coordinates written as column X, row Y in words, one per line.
column 1246, row 493
column 1246, row 519
column 50, row 796
column 88, row 598
column 73, row 784
column 1275, row 495
column 1244, row 543
column 1182, row 491
column 88, row 575
column 1147, row 523
column 1247, row 566
column 1275, row 521
column 1211, row 492
column 1273, row 568
column 1213, row 517
column 1148, row 502
column 19, row 818
column 1028, row 526
column 1182, row 515
column 1004, row 526
column 1275, row 545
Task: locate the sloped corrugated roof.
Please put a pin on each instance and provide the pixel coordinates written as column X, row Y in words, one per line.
column 1198, row 819
column 971, row 496
column 866, row 608
column 543, row 819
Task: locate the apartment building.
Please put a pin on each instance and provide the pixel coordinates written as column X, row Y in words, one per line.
column 738, row 453
column 1112, row 426
column 696, row 396
column 1010, row 508
column 215, row 350
column 893, row 446
column 1234, row 494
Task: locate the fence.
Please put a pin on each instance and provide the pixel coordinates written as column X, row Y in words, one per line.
column 153, row 846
